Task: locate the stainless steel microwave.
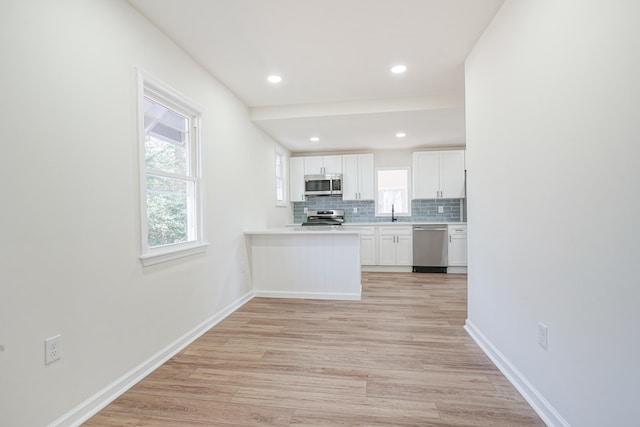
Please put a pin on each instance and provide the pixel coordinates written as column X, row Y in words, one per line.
column 322, row 185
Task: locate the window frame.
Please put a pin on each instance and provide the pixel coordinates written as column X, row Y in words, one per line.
column 279, row 152
column 385, row 214
column 149, row 86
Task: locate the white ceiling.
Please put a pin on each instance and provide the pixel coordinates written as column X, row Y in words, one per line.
column 335, row 57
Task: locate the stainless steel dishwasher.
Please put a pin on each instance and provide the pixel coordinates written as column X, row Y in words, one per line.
column 430, row 249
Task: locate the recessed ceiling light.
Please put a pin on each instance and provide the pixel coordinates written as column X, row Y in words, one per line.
column 314, row 139
column 274, row 79
column 400, row 135
column 398, row 69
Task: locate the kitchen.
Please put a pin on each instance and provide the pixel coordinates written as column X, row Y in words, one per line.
column 342, row 188
column 542, row 98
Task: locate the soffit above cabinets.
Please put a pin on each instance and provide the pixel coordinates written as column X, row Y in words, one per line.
column 334, row 57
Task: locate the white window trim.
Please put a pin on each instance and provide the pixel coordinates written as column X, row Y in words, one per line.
column 285, row 177
column 151, row 256
column 388, row 215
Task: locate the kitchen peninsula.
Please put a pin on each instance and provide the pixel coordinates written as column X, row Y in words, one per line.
column 305, row 262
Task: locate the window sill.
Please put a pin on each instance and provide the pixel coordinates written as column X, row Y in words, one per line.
column 172, row 254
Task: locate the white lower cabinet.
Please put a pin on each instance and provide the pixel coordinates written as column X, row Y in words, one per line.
column 457, row 245
column 395, row 245
column 368, row 246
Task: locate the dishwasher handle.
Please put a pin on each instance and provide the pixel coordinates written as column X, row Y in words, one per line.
column 418, row 228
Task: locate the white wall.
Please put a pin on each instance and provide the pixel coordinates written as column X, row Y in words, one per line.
column 553, row 119
column 69, row 217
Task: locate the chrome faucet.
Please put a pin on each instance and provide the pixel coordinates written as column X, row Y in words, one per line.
column 393, row 218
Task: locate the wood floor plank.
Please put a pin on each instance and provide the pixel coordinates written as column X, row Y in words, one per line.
column 399, row 357
column 185, row 408
column 344, row 404
column 305, row 418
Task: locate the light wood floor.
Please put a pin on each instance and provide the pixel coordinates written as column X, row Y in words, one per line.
column 399, row 357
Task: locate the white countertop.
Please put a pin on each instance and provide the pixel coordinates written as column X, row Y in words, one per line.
column 297, row 230
column 373, row 224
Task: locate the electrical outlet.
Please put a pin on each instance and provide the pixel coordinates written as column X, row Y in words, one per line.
column 51, row 349
column 355, row 210
column 440, row 209
column 305, row 210
column 543, row 335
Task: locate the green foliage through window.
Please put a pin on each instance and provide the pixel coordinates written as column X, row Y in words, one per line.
column 170, row 186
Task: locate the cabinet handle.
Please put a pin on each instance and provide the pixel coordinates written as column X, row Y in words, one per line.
column 449, row 239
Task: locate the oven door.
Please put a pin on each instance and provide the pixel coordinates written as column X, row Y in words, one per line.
column 317, row 186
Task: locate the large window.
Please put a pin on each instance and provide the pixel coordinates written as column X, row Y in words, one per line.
column 392, row 192
column 170, row 174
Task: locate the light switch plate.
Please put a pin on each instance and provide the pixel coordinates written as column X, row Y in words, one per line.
column 543, row 335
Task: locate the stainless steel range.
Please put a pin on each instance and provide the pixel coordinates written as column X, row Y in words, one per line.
column 325, row 217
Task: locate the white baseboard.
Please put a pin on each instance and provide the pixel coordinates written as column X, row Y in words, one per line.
column 95, row 403
column 543, row 408
column 307, row 295
column 387, row 268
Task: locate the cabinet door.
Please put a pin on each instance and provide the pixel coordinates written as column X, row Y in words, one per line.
column 313, row 165
column 350, row 177
column 452, row 174
column 386, row 250
column 404, row 245
column 426, row 175
column 365, row 177
column 368, row 249
column 404, row 250
column 332, row 164
column 458, row 250
column 296, row 179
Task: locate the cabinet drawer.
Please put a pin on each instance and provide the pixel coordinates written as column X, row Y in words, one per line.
column 457, row 229
column 395, row 230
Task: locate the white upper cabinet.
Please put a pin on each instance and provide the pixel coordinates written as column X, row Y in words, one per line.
column 357, row 177
column 296, row 179
column 452, row 174
column 321, row 165
column 438, row 174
